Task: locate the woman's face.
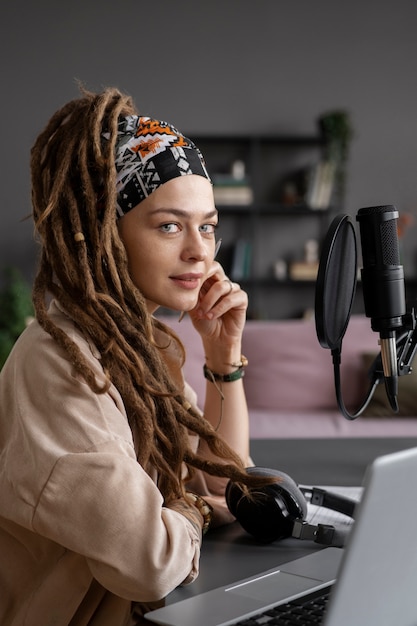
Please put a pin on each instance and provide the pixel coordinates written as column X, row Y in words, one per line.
column 170, row 240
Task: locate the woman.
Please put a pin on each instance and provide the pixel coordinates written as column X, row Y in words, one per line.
column 109, row 473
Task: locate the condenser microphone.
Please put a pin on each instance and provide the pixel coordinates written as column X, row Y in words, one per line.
column 383, row 285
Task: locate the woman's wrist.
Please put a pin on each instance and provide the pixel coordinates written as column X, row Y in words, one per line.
column 236, row 373
column 193, row 507
column 223, row 360
column 205, row 510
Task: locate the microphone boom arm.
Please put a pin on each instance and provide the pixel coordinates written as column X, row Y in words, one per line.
column 406, row 350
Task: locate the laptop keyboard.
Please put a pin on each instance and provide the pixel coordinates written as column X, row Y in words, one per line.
column 309, row 609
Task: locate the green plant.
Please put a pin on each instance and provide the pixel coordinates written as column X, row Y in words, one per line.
column 336, row 129
column 15, row 309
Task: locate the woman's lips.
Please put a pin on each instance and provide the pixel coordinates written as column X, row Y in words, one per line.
column 187, row 281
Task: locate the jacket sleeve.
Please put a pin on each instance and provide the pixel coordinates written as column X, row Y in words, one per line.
column 103, row 505
column 73, row 476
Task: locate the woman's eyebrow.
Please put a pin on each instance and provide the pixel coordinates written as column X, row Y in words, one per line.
column 183, row 213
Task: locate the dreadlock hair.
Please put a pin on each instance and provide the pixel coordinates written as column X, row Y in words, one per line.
column 83, row 265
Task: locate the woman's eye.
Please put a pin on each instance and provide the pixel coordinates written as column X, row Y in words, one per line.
column 170, row 228
column 208, row 229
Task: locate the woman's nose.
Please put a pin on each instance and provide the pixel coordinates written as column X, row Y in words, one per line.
column 195, row 249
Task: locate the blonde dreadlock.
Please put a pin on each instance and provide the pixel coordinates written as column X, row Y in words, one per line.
column 84, row 266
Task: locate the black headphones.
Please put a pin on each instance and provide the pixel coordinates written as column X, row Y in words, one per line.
column 279, row 510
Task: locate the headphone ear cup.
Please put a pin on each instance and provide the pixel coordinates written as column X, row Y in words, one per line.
column 268, row 513
column 233, row 495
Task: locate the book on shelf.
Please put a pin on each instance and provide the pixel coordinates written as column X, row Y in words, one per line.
column 229, row 189
column 235, row 259
column 320, row 187
column 241, row 260
column 241, row 195
column 300, row 270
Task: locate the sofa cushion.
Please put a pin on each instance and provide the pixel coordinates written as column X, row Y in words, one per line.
column 288, row 369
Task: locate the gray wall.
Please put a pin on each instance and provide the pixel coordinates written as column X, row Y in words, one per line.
column 221, row 65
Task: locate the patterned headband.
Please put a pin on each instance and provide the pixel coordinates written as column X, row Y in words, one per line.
column 149, row 153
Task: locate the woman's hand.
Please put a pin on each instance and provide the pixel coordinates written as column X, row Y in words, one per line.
column 187, row 508
column 219, row 317
column 220, row 313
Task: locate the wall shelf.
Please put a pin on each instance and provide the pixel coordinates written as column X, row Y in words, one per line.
column 274, row 217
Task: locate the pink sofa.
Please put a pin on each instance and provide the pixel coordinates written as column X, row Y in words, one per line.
column 289, row 381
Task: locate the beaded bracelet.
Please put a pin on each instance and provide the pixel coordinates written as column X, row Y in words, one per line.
column 227, row 378
column 203, row 507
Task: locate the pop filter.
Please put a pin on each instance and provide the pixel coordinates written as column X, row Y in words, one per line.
column 336, row 283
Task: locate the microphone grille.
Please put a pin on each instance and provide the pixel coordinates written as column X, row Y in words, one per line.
column 389, row 239
column 382, row 219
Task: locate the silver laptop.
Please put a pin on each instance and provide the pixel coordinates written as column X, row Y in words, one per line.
column 376, row 572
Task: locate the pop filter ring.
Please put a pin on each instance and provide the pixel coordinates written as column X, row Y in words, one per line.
column 335, row 292
column 336, row 283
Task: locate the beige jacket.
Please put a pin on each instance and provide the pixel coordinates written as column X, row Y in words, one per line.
column 83, row 532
